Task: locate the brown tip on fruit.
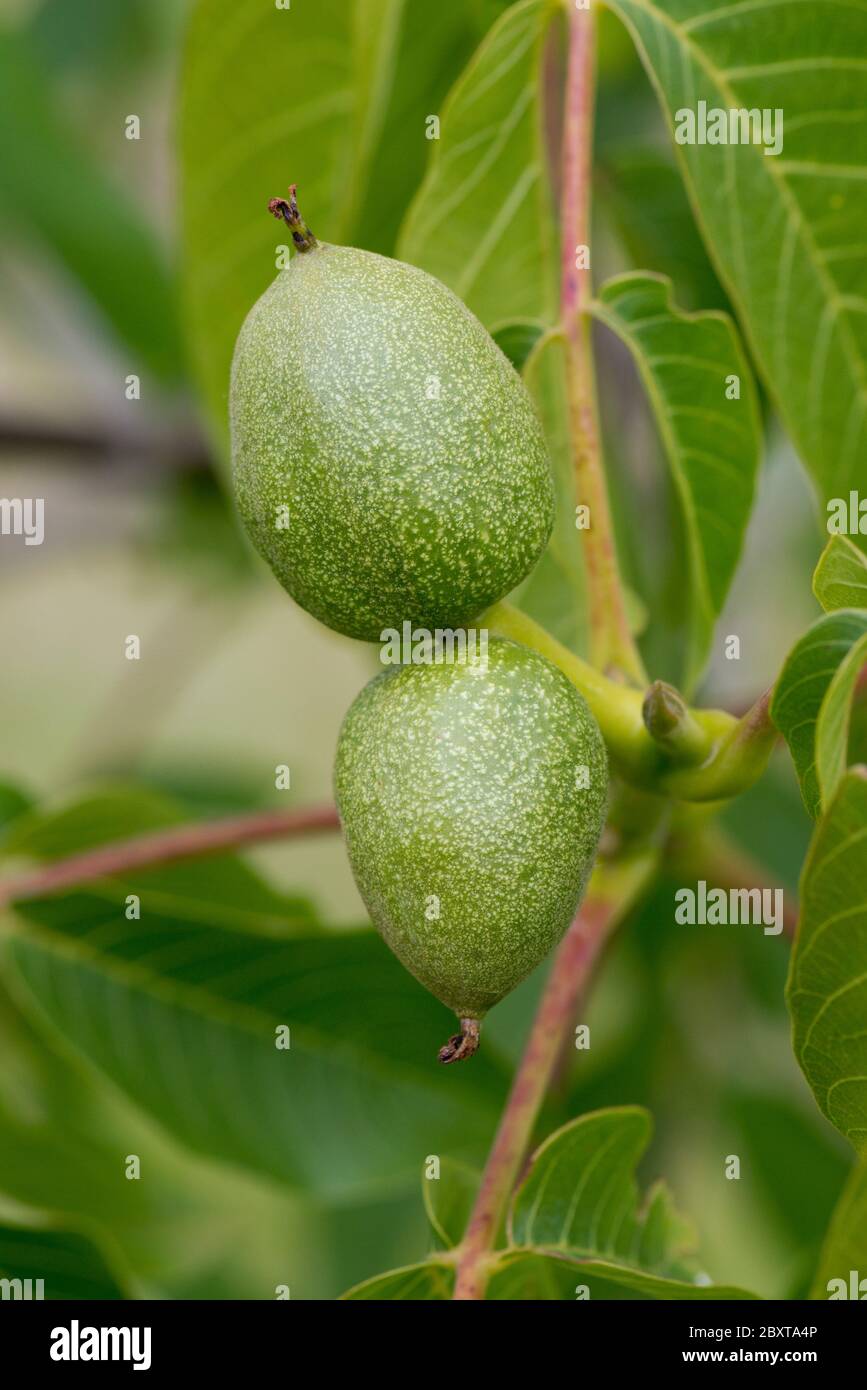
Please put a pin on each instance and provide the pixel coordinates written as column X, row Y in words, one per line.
column 287, row 208
column 463, row 1044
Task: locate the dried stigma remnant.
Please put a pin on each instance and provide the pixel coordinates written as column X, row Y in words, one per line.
column 288, row 209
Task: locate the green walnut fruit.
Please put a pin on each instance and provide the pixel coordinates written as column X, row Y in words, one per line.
column 472, row 797
column 388, row 461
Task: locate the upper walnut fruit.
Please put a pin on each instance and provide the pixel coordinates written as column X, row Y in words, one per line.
column 389, row 464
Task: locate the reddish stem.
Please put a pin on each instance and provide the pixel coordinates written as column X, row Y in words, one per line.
column 570, row 973
column 611, row 638
column 577, row 156
column 163, row 846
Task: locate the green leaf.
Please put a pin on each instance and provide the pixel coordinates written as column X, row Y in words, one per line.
column 713, row 443
column 796, row 1164
column 289, row 79
column 832, row 726
column 579, row 1203
column 13, row 803
column 786, row 231
column 448, row 1200
column 840, row 580
column 184, row 1018
column 100, row 38
column 52, row 1120
column 574, row 1224
column 520, row 1276
column 70, row 1265
column 58, row 196
column 483, row 220
column 555, row 592
column 812, row 700
column 191, row 1228
column 580, row 1196
column 643, row 189
column 82, row 823
column 845, row 1246
column 429, row 50
column 181, row 1008
column 517, row 340
column 430, row 1281
column 827, row 987
column 332, row 95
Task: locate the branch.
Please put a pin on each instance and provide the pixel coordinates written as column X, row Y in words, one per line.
column 99, row 442
column 164, row 846
column 612, row 892
column 611, row 639
column 569, row 975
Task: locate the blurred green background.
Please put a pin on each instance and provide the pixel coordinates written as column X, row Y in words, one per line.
column 234, row 679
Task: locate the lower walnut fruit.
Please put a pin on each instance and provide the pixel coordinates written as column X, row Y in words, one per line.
column 472, row 797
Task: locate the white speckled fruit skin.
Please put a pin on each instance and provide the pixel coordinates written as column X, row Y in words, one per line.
column 401, row 505
column 458, row 782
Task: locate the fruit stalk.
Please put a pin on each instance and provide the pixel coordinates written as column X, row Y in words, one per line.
column 611, row 640
column 736, row 752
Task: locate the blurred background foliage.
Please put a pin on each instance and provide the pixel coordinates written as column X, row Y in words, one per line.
column 234, row 679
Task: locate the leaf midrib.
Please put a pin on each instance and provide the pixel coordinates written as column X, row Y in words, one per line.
column 195, row 999
column 575, row 1255
column 168, row 906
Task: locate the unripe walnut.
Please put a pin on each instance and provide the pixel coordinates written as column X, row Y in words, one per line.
column 388, row 460
column 480, row 786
